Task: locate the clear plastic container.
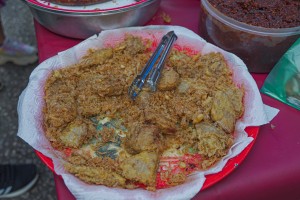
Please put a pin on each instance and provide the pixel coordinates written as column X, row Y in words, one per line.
column 260, row 48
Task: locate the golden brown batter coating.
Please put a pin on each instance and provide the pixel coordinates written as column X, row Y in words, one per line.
column 169, row 80
column 212, row 141
column 96, row 175
column 143, row 138
column 141, row 168
column 118, row 142
column 76, row 133
column 222, row 112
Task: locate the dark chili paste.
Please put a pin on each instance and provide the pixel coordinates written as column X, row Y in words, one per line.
column 264, row 13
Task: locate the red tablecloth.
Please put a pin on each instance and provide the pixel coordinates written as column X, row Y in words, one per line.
column 272, row 168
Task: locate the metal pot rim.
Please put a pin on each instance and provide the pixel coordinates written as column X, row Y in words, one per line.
column 96, row 13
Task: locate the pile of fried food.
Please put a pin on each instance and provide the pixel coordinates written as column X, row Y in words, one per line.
column 109, row 139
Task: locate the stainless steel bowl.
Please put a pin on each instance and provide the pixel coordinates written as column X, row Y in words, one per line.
column 83, row 25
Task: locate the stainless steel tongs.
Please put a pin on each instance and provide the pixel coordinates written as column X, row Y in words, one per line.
column 159, row 56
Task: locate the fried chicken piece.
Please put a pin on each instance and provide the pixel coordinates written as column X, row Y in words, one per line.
column 169, row 80
column 184, row 64
column 61, row 109
column 162, row 120
column 76, row 134
column 143, row 138
column 60, row 100
column 96, row 175
column 190, row 86
column 141, row 168
column 101, row 84
column 212, row 141
column 133, row 45
column 236, row 97
column 143, row 99
column 89, row 105
column 213, row 65
column 97, row 57
column 206, row 128
column 184, row 86
column 222, row 112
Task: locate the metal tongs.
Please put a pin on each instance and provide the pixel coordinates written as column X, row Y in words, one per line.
column 159, row 56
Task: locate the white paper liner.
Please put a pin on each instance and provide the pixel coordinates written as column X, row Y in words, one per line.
column 31, row 104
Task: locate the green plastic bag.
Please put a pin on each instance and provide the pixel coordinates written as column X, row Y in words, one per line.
column 283, row 82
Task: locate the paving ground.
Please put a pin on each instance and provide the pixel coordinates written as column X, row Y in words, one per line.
column 18, row 24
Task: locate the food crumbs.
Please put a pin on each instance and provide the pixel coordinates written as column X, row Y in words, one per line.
column 182, row 165
column 166, row 18
column 273, row 126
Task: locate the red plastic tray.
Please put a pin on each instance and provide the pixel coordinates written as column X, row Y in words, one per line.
column 210, row 179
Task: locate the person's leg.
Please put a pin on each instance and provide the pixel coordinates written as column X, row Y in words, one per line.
column 12, row 50
column 2, row 36
column 16, row 179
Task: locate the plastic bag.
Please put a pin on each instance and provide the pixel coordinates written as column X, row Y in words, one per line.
column 283, row 82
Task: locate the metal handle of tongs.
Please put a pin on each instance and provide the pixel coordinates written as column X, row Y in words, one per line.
column 156, row 71
column 160, row 54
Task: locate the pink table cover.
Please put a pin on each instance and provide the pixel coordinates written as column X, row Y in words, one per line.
column 272, row 168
